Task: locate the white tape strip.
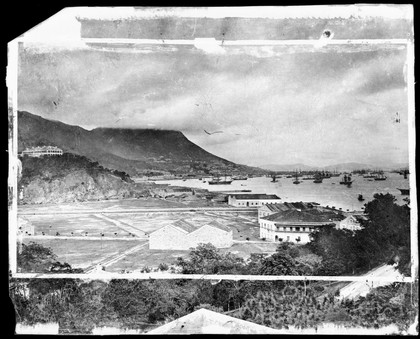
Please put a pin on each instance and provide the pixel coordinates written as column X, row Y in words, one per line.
column 157, row 275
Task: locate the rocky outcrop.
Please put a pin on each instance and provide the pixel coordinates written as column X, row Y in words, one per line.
column 70, row 178
column 75, row 186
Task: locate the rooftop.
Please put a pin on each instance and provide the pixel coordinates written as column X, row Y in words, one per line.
column 188, row 227
column 184, row 225
column 42, row 148
column 205, row 321
column 304, row 216
column 254, row 196
column 217, row 224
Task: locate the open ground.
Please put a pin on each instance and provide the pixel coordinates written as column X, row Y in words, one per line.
column 91, row 239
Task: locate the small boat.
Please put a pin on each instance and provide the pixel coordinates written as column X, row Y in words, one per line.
column 404, row 191
column 240, row 177
column 360, row 198
column 380, row 176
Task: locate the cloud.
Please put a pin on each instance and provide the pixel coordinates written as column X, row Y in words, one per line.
column 305, row 107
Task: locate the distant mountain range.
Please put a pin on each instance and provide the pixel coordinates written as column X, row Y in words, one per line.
column 130, row 150
column 350, row 166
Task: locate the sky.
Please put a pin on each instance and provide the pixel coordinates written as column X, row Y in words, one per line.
column 268, row 105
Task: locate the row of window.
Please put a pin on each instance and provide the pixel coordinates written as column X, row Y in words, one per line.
column 250, row 203
column 42, row 152
column 277, row 238
column 285, row 228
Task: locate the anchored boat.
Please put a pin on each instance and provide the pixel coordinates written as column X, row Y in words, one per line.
column 346, row 180
column 219, row 181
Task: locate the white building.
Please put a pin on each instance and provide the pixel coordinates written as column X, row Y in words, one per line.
column 252, row 200
column 42, row 150
column 295, row 225
column 352, row 222
column 182, row 235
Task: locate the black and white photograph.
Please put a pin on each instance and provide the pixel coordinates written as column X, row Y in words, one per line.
column 214, row 170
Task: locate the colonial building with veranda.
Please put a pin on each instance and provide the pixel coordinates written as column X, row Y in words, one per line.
column 294, row 222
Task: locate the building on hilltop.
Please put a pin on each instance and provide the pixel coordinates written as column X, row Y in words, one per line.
column 294, row 225
column 40, row 151
column 352, row 222
column 182, row 235
column 252, row 200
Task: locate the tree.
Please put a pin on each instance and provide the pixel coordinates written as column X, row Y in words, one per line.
column 35, row 258
column 207, row 259
column 385, row 234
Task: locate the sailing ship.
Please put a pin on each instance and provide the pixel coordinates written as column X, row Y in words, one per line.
column 335, row 174
column 240, row 177
column 346, row 180
column 404, row 172
column 326, row 174
column 219, row 181
column 318, row 178
column 296, row 182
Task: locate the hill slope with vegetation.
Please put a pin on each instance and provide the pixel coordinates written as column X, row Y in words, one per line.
column 130, row 150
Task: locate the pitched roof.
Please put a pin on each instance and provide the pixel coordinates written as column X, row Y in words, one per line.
column 184, row 226
column 217, row 224
column 276, row 207
column 254, row 196
column 304, row 216
column 205, row 321
column 285, row 206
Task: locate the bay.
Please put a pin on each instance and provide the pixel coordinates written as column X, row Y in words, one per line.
column 327, row 193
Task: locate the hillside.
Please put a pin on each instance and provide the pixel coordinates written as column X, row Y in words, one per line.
column 130, row 150
column 291, row 167
column 69, row 178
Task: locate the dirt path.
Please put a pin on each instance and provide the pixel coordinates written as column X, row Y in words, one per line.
column 114, row 258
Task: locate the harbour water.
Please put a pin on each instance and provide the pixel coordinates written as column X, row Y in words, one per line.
column 327, row 193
